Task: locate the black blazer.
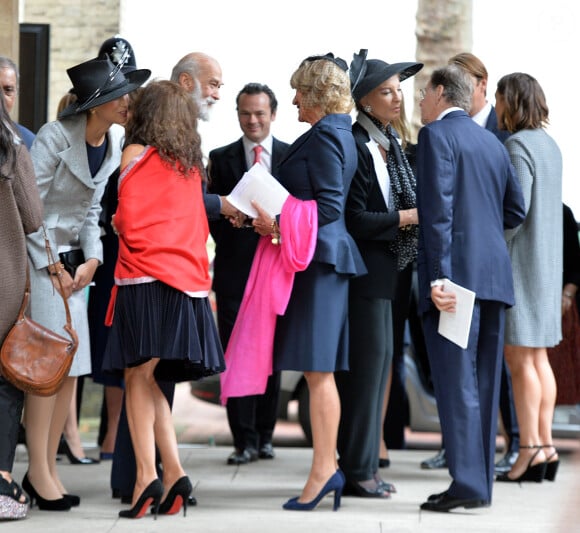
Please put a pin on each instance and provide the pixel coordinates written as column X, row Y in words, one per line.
column 234, row 247
column 371, row 225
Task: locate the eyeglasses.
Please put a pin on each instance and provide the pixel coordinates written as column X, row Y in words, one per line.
column 422, row 93
column 112, row 76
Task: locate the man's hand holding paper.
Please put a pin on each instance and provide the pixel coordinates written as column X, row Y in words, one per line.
column 258, row 185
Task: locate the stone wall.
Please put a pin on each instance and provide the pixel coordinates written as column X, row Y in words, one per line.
column 77, row 29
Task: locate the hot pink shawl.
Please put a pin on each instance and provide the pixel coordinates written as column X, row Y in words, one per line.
column 250, row 349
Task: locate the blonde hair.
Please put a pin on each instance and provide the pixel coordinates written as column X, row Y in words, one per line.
column 323, row 84
column 66, row 100
column 402, row 127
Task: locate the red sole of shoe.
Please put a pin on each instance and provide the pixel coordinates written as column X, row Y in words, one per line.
column 144, row 508
column 176, row 507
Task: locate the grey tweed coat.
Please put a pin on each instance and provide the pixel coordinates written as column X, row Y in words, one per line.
column 20, row 213
column 71, row 199
column 535, row 247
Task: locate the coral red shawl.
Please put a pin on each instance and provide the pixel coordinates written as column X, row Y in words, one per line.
column 162, row 228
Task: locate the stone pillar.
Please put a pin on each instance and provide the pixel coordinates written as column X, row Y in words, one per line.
column 9, row 34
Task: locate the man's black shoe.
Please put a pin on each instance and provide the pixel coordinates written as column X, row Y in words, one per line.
column 267, row 451
column 446, row 503
column 246, row 456
column 438, row 461
column 505, row 464
column 434, row 497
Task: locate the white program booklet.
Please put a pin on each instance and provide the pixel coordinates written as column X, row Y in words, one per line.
column 456, row 326
column 259, row 185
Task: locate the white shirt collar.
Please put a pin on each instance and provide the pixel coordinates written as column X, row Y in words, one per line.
column 447, row 111
column 482, row 115
column 249, row 145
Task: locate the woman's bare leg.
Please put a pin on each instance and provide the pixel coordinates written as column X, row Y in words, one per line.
column 527, row 390
column 324, row 419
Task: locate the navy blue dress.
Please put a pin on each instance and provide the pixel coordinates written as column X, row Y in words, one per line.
column 313, row 333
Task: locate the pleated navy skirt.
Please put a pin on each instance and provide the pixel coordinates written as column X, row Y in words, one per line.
column 154, row 320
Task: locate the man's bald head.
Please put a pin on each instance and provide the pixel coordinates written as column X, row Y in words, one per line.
column 200, row 75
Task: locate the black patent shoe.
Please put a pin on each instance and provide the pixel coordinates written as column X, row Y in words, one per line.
column 505, row 464
column 437, row 461
column 249, row 455
column 352, row 488
column 443, row 503
column 266, row 451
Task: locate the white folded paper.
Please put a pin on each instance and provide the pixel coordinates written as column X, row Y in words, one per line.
column 259, row 185
column 456, row 326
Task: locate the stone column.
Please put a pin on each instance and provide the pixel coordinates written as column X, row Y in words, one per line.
column 9, row 34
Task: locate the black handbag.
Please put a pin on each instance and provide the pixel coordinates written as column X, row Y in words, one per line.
column 71, row 260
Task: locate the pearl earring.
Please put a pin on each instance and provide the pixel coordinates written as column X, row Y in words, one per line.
column 367, row 108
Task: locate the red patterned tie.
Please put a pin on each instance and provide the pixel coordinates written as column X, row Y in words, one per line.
column 257, row 153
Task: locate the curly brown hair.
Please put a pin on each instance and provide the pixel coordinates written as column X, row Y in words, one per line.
column 164, row 116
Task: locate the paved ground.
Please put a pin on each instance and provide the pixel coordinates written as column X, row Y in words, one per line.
column 248, row 499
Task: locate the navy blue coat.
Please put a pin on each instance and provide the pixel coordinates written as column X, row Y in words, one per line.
column 325, row 175
column 467, row 194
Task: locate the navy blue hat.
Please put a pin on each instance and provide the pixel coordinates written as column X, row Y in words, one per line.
column 367, row 74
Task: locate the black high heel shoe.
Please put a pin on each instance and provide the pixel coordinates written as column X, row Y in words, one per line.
column 64, row 448
column 150, row 496
column 534, row 473
column 335, row 483
column 62, row 504
column 177, row 496
column 73, row 499
column 551, row 466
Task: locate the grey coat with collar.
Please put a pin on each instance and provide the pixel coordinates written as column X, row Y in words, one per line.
column 72, row 205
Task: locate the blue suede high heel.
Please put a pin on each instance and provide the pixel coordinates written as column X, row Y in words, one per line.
column 335, row 483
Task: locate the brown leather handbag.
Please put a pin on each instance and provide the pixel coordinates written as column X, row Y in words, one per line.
column 34, row 358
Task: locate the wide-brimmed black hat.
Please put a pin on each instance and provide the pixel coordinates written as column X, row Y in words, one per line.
column 367, row 74
column 119, row 50
column 98, row 81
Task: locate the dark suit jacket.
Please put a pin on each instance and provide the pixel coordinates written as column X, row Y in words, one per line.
column 467, row 194
column 491, row 125
column 371, row 224
column 320, row 165
column 234, row 247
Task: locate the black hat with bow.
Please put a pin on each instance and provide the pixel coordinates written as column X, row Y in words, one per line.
column 98, row 81
column 367, row 74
